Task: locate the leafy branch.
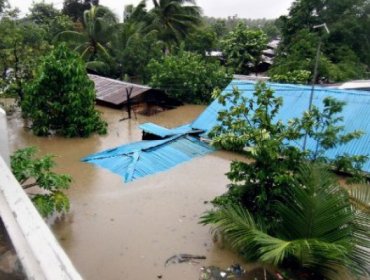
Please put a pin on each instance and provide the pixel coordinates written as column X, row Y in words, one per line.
column 37, row 172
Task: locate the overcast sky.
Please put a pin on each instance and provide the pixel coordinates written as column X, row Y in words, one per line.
column 215, row 8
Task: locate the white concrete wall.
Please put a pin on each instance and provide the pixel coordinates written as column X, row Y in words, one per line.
column 39, row 252
column 4, row 144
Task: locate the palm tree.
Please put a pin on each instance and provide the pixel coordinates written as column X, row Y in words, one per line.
column 94, row 39
column 173, row 19
column 131, row 41
column 320, row 233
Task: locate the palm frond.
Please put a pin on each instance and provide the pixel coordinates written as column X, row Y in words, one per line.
column 244, row 235
column 360, row 196
column 71, row 36
column 315, row 207
column 318, row 228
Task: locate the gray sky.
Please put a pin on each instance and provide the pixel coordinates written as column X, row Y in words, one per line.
column 242, row 8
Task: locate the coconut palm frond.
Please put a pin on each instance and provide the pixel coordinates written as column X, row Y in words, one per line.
column 240, row 230
column 360, row 196
column 85, row 50
column 99, row 24
column 318, row 228
column 70, row 36
column 320, row 207
column 236, row 224
column 173, row 19
column 102, row 50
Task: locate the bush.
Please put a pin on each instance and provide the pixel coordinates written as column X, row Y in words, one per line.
column 243, row 47
column 293, row 77
column 186, row 76
column 31, row 171
column 61, row 98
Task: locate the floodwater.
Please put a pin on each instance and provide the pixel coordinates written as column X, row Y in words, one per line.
column 118, row 230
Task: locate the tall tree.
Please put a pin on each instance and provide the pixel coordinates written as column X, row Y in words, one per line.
column 187, row 76
column 3, row 4
column 344, row 50
column 21, row 45
column 76, row 8
column 201, row 40
column 52, row 20
column 43, row 13
column 61, row 98
column 92, row 42
column 243, row 48
column 173, row 19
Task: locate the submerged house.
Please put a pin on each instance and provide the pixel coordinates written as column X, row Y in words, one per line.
column 180, row 144
column 118, row 94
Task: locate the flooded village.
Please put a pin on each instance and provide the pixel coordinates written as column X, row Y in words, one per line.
column 118, row 230
column 187, row 140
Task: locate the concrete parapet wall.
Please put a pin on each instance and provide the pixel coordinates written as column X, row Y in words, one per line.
column 4, row 145
column 39, row 252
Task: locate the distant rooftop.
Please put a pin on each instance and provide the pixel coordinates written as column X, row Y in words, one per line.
column 115, row 91
column 356, row 84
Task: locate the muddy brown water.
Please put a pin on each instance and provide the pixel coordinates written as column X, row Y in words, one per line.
column 118, row 230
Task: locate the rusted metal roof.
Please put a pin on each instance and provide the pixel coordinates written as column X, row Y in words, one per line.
column 115, row 91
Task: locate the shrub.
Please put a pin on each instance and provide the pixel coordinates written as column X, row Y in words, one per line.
column 61, row 98
column 187, row 76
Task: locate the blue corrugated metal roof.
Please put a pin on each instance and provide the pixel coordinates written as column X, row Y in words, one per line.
column 164, row 132
column 356, row 113
column 143, row 158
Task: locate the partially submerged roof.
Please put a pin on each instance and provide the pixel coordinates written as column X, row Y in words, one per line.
column 356, row 112
column 144, row 158
column 114, row 91
column 163, row 132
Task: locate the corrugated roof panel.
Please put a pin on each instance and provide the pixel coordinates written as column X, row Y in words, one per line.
column 144, row 158
column 163, row 132
column 356, row 112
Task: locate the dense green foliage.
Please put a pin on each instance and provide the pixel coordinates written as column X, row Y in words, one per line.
column 131, row 45
column 36, row 172
column 187, row 76
column 250, row 123
column 243, row 47
column 249, row 213
column 344, row 52
column 61, row 98
column 201, row 40
column 21, row 45
column 75, row 8
column 50, row 19
column 225, row 25
column 172, row 19
column 318, row 234
column 294, row 77
column 2, row 5
column 279, row 209
column 251, row 127
column 94, row 40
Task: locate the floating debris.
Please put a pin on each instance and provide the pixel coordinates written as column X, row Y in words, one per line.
column 180, row 258
column 215, row 273
column 237, row 272
column 212, row 273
